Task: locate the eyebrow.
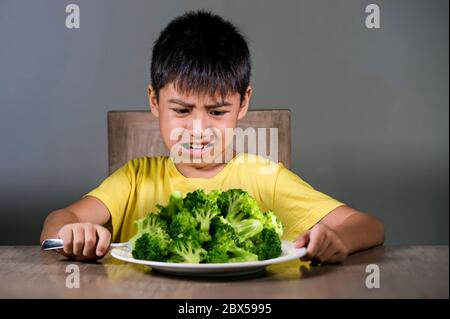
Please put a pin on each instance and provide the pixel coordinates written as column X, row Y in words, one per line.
column 210, row 106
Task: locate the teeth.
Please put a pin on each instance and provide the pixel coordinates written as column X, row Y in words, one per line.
column 195, row 146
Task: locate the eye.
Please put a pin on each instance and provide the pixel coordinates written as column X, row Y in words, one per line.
column 217, row 113
column 181, row 111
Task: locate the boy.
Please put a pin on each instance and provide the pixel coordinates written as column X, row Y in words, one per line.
column 200, row 73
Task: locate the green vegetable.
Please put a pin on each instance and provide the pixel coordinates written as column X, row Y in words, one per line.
column 215, row 227
column 268, row 244
column 152, row 246
column 152, row 240
column 224, row 246
column 187, row 252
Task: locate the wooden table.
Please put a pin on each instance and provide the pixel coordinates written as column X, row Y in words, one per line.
column 405, row 272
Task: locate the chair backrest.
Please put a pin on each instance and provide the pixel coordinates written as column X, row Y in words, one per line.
column 133, row 134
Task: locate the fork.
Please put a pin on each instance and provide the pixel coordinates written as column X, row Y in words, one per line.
column 57, row 243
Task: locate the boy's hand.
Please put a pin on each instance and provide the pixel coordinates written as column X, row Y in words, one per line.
column 323, row 245
column 84, row 241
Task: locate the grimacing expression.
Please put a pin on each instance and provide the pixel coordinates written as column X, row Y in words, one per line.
column 196, row 123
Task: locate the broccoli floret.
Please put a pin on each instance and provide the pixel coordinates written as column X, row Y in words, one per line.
column 224, row 247
column 229, row 253
column 150, row 222
column 242, row 212
column 151, row 241
column 222, row 230
column 174, row 205
column 197, row 198
column 187, row 252
column 272, row 221
column 220, row 223
column 194, row 227
column 236, row 205
column 247, row 228
column 205, row 214
column 203, row 206
column 152, row 246
column 183, row 224
column 195, row 217
column 248, row 245
column 214, row 195
column 268, row 244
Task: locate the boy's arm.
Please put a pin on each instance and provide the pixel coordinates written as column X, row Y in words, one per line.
column 340, row 233
column 80, row 225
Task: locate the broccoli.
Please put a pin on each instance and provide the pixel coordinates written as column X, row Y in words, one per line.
column 272, row 221
column 151, row 241
column 224, row 245
column 186, row 252
column 197, row 198
column 247, row 228
column 204, row 208
column 268, row 244
column 215, row 227
column 214, row 195
column 152, row 246
column 248, row 245
column 174, row 205
column 183, row 224
column 229, row 253
column 242, row 212
column 150, row 222
column 236, row 204
column 204, row 215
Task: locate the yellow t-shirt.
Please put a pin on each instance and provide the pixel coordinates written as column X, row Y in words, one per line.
column 134, row 189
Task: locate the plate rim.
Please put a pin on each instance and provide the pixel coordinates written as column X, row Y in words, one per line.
column 299, row 252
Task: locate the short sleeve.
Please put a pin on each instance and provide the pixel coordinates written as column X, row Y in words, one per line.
column 298, row 204
column 115, row 192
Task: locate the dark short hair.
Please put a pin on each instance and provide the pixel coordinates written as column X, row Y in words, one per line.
column 200, row 52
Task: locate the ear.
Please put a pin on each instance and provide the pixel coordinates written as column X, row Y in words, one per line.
column 245, row 102
column 153, row 101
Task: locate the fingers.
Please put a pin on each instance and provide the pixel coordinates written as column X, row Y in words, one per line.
column 66, row 235
column 315, row 242
column 302, row 241
column 78, row 239
column 340, row 252
column 90, row 240
column 324, row 245
column 84, row 241
column 104, row 238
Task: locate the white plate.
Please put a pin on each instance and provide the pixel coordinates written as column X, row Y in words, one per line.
column 289, row 252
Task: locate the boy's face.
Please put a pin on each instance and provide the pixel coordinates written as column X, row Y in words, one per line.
column 194, row 124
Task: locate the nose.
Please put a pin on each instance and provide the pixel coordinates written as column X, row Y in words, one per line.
column 197, row 125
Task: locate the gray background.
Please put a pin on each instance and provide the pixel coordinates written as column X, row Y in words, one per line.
column 370, row 107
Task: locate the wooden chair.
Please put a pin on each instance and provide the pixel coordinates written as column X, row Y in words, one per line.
column 133, row 134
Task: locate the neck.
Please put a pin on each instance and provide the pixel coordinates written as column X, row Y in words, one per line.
column 207, row 171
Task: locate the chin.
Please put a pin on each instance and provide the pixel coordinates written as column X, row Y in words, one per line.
column 201, row 163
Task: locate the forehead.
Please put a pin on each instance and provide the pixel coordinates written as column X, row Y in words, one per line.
column 169, row 92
